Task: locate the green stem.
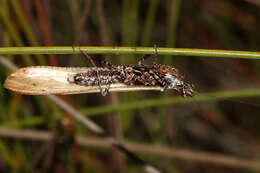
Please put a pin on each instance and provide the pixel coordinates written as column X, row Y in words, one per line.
column 172, row 28
column 130, row 50
column 150, row 103
column 4, row 17
column 26, row 27
column 172, row 101
column 149, row 23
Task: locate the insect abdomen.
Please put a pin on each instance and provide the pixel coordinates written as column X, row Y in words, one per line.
column 94, row 78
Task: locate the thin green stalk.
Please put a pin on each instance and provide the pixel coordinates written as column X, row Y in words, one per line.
column 11, row 31
column 172, row 27
column 5, row 154
column 130, row 50
column 27, row 122
column 173, row 18
column 26, row 27
column 222, row 31
column 21, row 156
column 14, row 106
column 130, row 22
column 3, row 107
column 149, row 23
column 172, row 101
column 130, row 27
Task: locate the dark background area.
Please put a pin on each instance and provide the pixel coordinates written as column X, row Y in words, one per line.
column 228, row 127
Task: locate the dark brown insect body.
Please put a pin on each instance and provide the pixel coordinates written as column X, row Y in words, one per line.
column 166, row 77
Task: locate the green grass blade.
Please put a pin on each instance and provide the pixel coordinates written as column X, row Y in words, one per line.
column 149, row 23
column 131, row 50
column 27, row 30
column 223, row 95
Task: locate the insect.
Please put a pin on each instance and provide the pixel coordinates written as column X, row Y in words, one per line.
column 41, row 80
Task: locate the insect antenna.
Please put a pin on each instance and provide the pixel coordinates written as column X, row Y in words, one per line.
column 230, row 100
column 88, row 57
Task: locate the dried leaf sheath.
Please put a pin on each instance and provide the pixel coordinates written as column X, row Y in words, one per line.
column 43, row 80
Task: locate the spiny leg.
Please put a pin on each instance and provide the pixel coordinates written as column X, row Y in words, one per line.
column 157, row 78
column 105, row 90
column 107, row 85
column 141, row 61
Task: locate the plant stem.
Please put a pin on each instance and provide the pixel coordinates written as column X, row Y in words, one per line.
column 130, row 50
column 173, row 101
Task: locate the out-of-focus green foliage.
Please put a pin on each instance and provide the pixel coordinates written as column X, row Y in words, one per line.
column 220, row 125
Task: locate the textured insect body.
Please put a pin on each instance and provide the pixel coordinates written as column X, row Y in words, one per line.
column 166, row 77
column 41, row 80
column 102, row 77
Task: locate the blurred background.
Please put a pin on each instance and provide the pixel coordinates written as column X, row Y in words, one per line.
column 214, row 130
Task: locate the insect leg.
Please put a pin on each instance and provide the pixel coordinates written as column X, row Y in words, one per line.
column 103, row 90
column 157, row 78
column 156, row 54
column 73, row 48
column 141, row 61
column 109, row 65
column 108, row 82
